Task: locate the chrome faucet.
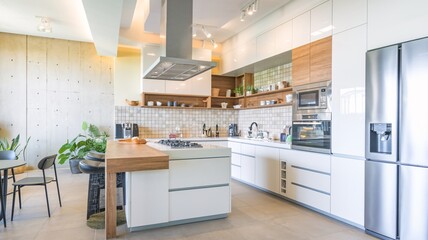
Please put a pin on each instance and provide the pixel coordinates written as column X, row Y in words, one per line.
column 250, row 131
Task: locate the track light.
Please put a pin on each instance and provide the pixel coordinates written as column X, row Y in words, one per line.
column 213, row 43
column 249, row 9
column 45, row 25
column 194, row 31
column 207, row 34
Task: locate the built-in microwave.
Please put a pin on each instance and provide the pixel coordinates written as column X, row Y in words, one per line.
column 315, row 97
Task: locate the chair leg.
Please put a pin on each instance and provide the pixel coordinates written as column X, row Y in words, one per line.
column 59, row 195
column 3, row 215
column 19, row 189
column 47, row 200
column 13, row 202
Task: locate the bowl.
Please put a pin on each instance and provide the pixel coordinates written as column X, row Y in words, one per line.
column 131, row 102
column 237, row 106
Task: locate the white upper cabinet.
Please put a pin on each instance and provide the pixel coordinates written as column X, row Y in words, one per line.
column 201, row 84
column 284, row 37
column 348, row 92
column 149, row 55
column 347, row 189
column 321, row 21
column 301, row 29
column 395, row 21
column 266, row 45
column 348, row 14
column 245, row 54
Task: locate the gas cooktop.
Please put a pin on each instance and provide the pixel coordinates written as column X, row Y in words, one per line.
column 173, row 143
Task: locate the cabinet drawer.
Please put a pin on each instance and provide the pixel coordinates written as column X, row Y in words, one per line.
column 248, row 149
column 315, row 161
column 248, row 172
column 199, row 203
column 236, row 159
column 236, row 172
column 199, row 172
column 236, row 147
column 318, row 181
column 309, row 197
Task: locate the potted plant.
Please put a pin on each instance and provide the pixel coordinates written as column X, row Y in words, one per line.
column 238, row 91
column 250, row 90
column 75, row 150
column 14, row 146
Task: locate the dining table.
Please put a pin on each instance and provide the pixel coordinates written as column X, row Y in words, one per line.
column 5, row 165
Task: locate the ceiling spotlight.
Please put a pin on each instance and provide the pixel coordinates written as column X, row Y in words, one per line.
column 213, row 43
column 250, row 10
column 45, row 25
column 207, row 34
column 242, row 16
column 255, row 6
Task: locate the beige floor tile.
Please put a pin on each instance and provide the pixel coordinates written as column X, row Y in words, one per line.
column 255, row 215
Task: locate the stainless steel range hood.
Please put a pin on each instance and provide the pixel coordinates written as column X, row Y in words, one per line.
column 176, row 26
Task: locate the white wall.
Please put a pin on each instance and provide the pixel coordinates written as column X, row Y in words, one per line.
column 127, row 76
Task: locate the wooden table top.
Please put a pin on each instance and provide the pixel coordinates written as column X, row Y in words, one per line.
column 128, row 157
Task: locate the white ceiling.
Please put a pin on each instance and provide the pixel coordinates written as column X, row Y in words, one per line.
column 69, row 21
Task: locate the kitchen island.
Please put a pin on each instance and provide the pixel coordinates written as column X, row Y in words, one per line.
column 196, row 187
column 166, row 186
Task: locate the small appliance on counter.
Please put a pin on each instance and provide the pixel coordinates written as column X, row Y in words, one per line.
column 126, row 130
column 233, row 130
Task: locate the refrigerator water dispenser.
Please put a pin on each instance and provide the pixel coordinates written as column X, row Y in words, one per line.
column 380, row 138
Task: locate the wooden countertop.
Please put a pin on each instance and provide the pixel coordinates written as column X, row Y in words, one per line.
column 129, row 157
column 126, row 157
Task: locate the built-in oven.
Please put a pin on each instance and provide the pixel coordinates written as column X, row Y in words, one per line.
column 312, row 132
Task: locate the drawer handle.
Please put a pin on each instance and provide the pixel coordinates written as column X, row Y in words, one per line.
column 198, row 187
column 310, row 170
column 313, row 189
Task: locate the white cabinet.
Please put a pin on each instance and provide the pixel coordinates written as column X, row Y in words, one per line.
column 248, row 169
column 394, row 21
column 245, row 54
column 347, row 189
column 149, row 54
column 198, row 172
column 202, row 202
column 301, row 29
column 284, row 37
column 266, row 45
column 307, row 178
column 267, row 168
column 348, row 92
column 348, row 14
column 321, row 25
column 147, row 198
column 178, row 87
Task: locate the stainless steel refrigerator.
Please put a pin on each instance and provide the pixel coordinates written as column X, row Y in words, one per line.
column 396, row 182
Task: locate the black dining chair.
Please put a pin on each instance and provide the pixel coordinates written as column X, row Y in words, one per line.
column 10, row 155
column 44, row 164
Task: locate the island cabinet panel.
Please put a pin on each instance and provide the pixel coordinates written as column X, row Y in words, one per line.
column 267, row 168
column 147, row 198
column 203, row 202
column 199, row 172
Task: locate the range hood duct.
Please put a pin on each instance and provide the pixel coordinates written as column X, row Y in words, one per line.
column 176, row 36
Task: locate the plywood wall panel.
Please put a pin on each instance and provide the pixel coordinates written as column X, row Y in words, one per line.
column 12, row 85
column 48, row 87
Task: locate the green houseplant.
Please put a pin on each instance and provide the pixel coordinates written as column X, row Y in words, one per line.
column 14, row 146
column 238, row 91
column 92, row 139
column 250, row 90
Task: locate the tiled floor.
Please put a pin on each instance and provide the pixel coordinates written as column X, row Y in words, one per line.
column 255, row 215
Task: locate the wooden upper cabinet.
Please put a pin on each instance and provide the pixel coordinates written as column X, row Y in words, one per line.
column 312, row 62
column 320, row 63
column 301, row 60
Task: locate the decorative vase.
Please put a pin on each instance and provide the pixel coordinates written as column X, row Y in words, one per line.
column 74, row 165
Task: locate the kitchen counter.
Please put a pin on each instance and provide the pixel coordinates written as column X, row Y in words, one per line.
column 273, row 143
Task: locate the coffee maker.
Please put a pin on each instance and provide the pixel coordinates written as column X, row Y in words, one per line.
column 126, row 130
column 233, row 130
